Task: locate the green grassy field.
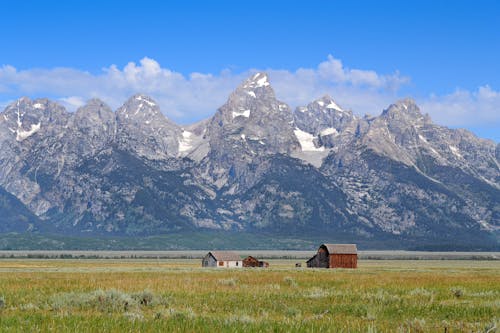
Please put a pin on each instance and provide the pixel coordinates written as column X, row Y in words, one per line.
column 177, row 295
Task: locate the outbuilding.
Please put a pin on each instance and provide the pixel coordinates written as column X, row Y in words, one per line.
column 335, row 256
column 222, row 259
column 254, row 262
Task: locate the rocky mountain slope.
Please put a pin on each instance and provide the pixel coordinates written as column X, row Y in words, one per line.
column 255, row 166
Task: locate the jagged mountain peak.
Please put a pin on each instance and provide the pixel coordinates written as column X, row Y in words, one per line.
column 139, row 106
column 323, row 117
column 254, row 87
column 252, row 102
column 28, row 103
column 258, row 80
column 94, row 105
column 94, row 113
column 95, row 102
column 406, row 107
column 327, row 102
column 143, row 129
column 25, row 117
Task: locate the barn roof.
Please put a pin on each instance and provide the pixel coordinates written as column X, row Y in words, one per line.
column 312, row 258
column 225, row 255
column 341, row 248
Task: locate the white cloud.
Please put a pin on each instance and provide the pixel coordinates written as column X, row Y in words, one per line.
column 196, row 96
column 199, row 95
column 334, row 71
column 464, row 108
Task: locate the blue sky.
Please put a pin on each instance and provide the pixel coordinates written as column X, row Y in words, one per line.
column 444, row 54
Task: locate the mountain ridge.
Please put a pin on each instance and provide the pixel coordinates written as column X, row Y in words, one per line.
column 255, row 165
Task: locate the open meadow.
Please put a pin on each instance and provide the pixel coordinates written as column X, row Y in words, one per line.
column 174, row 295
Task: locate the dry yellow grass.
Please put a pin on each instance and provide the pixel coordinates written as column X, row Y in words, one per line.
column 406, row 296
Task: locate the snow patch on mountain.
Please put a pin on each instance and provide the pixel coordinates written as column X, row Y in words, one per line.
column 245, row 113
column 185, row 142
column 23, row 135
column 455, row 151
column 329, row 131
column 306, row 141
column 262, row 81
column 142, row 99
column 422, row 138
column 334, row 106
column 259, row 80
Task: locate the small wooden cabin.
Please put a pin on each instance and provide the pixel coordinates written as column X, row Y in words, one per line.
column 254, row 262
column 222, row 259
column 335, row 256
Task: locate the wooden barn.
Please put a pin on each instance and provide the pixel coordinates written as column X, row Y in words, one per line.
column 254, row 262
column 222, row 259
column 335, row 256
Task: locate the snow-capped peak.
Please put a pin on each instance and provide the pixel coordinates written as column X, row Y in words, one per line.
column 328, row 103
column 139, row 107
column 258, row 80
column 145, row 99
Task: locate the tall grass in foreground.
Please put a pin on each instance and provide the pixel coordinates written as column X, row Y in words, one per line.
column 115, row 296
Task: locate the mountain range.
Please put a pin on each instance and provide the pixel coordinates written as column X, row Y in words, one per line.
column 256, row 166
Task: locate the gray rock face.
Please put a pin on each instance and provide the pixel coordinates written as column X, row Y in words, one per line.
column 323, row 117
column 398, row 170
column 254, row 165
column 144, row 130
column 93, row 128
column 249, row 127
column 253, row 121
column 30, row 134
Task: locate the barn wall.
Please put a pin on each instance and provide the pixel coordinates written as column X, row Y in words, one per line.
column 343, row 261
column 313, row 262
column 208, row 261
column 322, row 258
column 233, row 264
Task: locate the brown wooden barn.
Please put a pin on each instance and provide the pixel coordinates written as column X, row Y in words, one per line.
column 335, row 256
column 254, row 262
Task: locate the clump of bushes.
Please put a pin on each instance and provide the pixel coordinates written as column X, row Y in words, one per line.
column 242, row 318
column 105, row 301
column 227, row 282
column 316, row 292
column 134, row 316
column 290, row 281
column 416, row 325
column 457, row 292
